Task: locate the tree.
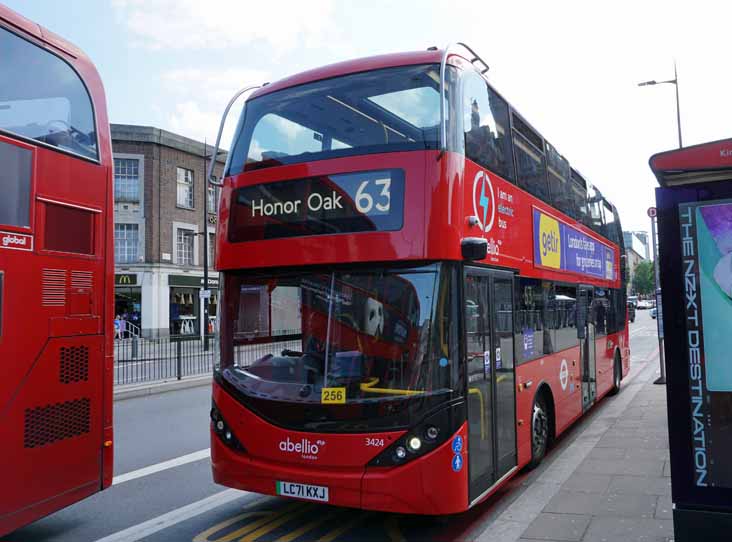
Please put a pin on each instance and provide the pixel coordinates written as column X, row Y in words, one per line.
column 643, row 282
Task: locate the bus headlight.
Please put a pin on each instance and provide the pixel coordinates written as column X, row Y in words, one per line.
column 223, row 431
column 432, row 432
column 423, row 437
column 414, row 444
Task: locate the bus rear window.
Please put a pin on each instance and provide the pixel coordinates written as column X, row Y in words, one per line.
column 387, row 110
column 42, row 98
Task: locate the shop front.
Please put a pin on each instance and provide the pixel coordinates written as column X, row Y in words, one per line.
column 186, row 304
column 128, row 301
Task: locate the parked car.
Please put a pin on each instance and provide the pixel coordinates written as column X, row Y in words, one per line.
column 653, row 312
column 645, row 304
column 631, row 311
column 633, row 299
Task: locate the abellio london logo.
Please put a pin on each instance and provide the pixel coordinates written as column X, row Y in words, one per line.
column 484, row 201
column 305, row 447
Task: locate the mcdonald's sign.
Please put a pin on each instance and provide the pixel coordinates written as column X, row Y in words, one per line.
column 126, row 279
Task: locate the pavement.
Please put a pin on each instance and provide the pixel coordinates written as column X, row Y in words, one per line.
column 605, row 479
column 131, row 391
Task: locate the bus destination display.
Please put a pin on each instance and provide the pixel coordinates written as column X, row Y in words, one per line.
column 349, row 202
column 706, row 248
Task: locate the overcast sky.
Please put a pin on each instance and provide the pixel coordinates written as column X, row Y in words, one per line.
column 571, row 68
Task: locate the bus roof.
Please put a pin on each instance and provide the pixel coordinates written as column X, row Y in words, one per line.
column 430, row 56
column 41, row 33
column 706, row 162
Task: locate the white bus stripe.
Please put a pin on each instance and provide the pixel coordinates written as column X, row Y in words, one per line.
column 154, row 525
column 152, row 469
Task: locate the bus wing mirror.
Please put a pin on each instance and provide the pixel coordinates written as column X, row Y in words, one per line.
column 474, row 248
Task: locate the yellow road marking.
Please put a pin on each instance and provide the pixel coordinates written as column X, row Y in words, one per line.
column 265, row 515
column 329, row 537
column 307, row 527
column 269, row 526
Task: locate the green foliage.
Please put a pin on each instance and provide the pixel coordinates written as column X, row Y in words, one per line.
column 643, row 283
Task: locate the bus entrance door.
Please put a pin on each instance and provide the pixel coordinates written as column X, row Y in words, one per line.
column 586, row 333
column 491, row 377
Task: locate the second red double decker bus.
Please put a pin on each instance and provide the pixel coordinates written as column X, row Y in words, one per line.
column 56, row 275
column 420, row 293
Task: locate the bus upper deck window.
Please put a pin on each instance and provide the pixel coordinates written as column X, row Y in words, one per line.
column 44, row 99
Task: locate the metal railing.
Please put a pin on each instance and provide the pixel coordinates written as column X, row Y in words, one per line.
column 138, row 360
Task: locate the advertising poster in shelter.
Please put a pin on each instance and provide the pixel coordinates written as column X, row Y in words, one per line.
column 706, row 246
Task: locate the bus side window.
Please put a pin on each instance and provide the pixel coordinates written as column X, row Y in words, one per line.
column 530, row 320
column 485, row 122
column 579, row 191
column 15, row 178
column 562, row 196
column 530, row 162
column 594, row 204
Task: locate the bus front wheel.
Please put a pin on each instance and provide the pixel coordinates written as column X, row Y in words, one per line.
column 539, row 430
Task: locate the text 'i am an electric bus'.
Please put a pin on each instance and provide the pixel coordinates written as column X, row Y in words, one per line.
column 420, row 292
column 56, row 275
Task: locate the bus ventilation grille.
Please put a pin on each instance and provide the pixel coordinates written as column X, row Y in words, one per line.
column 74, row 364
column 51, row 423
column 82, row 279
column 54, row 288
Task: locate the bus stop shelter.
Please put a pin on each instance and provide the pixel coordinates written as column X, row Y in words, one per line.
column 694, row 209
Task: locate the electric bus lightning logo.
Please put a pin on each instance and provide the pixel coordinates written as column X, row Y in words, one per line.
column 486, row 202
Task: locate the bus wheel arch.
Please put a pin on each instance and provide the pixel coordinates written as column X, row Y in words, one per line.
column 543, row 424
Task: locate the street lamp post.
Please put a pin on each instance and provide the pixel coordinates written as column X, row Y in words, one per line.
column 675, row 82
column 652, row 214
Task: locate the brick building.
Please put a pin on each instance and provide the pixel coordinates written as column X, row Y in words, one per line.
column 160, row 194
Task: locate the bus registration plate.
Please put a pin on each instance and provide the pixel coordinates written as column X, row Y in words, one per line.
column 333, row 395
column 302, row 491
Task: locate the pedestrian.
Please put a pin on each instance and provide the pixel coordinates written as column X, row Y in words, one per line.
column 117, row 327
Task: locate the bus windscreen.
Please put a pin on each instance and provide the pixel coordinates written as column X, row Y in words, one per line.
column 386, row 110
column 381, row 334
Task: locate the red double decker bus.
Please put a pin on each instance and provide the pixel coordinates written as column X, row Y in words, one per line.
column 420, row 292
column 56, row 275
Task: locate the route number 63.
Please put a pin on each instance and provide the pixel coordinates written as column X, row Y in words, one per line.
column 365, row 201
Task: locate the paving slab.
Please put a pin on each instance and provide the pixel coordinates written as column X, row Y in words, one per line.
column 640, row 485
column 587, row 483
column 611, row 529
column 566, row 527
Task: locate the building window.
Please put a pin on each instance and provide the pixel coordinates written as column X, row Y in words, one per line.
column 185, row 188
column 127, row 180
column 126, row 238
column 214, row 193
column 211, row 249
column 184, row 246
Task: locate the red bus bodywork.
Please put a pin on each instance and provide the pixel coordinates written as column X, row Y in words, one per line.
column 56, row 339
column 438, row 203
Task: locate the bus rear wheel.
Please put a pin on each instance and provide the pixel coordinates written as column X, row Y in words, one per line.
column 617, row 375
column 539, row 431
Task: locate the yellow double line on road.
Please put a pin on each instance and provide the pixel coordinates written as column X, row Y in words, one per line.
column 270, row 520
